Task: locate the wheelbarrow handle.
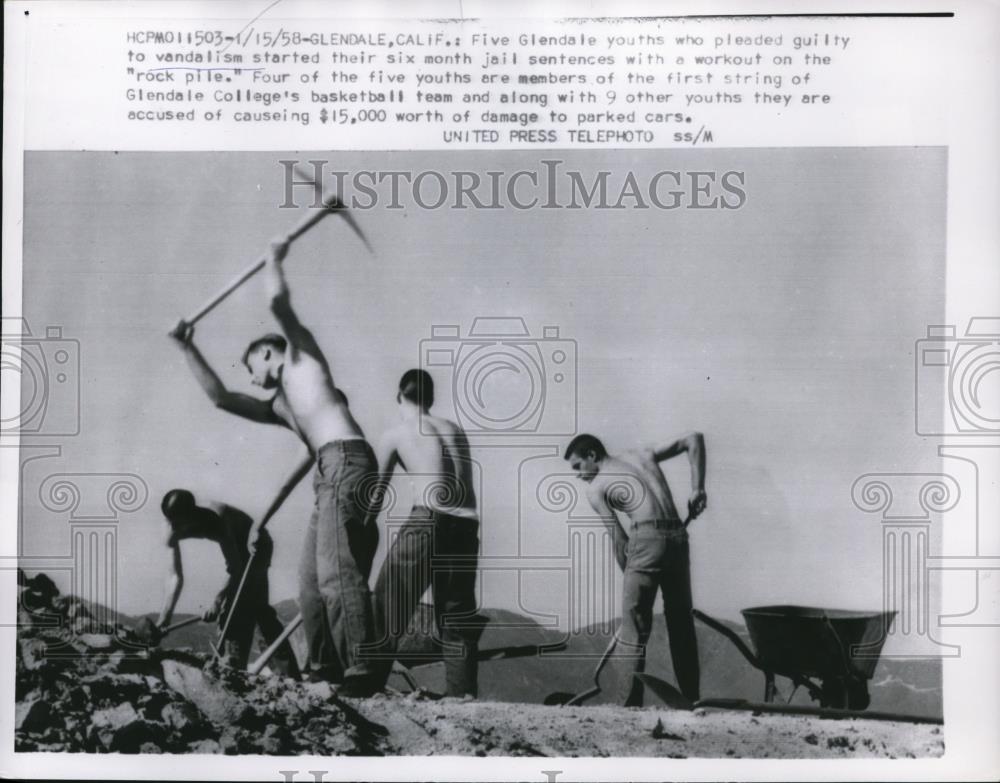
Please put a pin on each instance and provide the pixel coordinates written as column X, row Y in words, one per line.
column 730, row 634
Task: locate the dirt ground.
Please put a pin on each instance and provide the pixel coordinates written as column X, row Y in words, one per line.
column 449, row 727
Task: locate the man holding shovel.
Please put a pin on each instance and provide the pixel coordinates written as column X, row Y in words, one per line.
column 654, row 554
column 438, row 546
column 229, row 528
column 336, row 561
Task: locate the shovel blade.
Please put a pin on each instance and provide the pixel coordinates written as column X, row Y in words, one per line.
column 666, row 692
column 580, row 698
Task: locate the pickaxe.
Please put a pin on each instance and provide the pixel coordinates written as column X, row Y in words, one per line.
column 331, row 204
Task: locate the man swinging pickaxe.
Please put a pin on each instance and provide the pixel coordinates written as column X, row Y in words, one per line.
column 334, row 595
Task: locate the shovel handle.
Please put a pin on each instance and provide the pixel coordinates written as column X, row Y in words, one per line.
column 182, row 624
column 260, row 663
column 224, row 634
column 604, row 658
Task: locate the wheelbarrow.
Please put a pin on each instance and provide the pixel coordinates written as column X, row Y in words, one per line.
column 831, row 653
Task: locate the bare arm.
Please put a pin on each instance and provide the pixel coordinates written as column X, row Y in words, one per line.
column 280, row 302
column 300, row 472
column 694, row 444
column 240, row 404
column 618, row 535
column 388, row 458
column 174, row 585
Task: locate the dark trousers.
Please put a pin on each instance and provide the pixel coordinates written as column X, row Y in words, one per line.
column 253, row 610
column 658, row 559
column 337, row 560
column 439, row 551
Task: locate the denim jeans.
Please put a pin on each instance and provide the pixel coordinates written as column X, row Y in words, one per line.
column 337, row 560
column 439, row 551
column 254, row 610
column 657, row 560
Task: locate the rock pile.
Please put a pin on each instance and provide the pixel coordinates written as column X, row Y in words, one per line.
column 84, row 685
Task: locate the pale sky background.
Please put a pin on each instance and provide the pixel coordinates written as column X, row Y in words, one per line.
column 784, row 331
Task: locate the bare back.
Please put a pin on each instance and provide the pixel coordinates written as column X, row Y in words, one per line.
column 435, row 454
column 309, row 403
column 228, row 528
column 633, row 484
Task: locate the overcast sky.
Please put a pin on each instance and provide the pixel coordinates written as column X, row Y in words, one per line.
column 783, row 330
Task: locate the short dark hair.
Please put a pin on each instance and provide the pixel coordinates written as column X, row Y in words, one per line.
column 177, row 502
column 272, row 340
column 584, row 443
column 418, row 387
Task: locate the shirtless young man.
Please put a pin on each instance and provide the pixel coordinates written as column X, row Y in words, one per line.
column 438, row 545
column 337, row 556
column 654, row 554
column 228, row 527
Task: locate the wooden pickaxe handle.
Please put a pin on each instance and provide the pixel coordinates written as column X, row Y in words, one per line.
column 330, row 205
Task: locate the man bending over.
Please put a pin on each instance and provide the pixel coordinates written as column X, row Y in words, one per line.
column 228, row 527
column 654, row 553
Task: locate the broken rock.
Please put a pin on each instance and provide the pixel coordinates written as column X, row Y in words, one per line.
column 205, row 746
column 31, row 715
column 180, row 716
column 32, row 653
column 116, row 717
column 121, row 729
column 97, row 641
column 217, row 703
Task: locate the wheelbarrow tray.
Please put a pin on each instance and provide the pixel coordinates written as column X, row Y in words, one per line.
column 814, row 642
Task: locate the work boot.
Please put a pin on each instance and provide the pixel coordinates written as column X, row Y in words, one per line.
column 357, row 687
column 322, row 674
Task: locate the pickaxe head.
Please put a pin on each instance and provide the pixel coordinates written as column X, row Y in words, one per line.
column 334, row 204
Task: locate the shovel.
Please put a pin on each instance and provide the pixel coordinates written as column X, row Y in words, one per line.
column 664, row 690
column 568, row 699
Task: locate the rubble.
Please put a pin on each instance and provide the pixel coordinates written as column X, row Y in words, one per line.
column 103, row 690
column 31, row 715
